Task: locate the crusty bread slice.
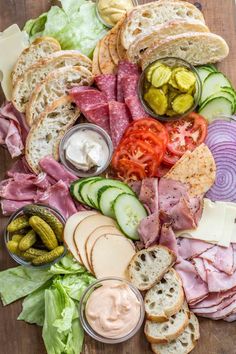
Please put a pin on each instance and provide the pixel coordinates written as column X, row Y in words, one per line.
column 112, row 41
column 185, row 343
column 56, row 85
column 41, row 48
column 194, row 47
column 35, row 74
column 165, row 298
column 45, row 136
column 173, row 27
column 148, row 266
column 164, row 332
column 143, row 19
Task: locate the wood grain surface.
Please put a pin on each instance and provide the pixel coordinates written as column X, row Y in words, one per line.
column 19, row 338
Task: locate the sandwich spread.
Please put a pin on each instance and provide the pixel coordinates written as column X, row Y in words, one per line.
column 111, row 11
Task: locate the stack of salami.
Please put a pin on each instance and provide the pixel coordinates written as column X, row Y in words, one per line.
column 114, row 104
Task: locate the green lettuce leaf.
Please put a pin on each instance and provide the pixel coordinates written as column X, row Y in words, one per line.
column 71, row 7
column 18, row 282
column 75, row 285
column 36, row 26
column 34, row 306
column 56, row 21
column 67, row 265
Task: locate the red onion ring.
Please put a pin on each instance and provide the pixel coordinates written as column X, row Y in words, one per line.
column 221, row 131
column 224, row 187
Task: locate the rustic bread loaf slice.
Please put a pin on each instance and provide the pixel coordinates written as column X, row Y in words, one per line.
column 41, row 48
column 45, row 136
column 165, row 298
column 56, row 85
column 185, row 343
column 173, row 27
column 143, row 19
column 195, row 48
column 148, row 266
column 164, row 332
column 35, row 74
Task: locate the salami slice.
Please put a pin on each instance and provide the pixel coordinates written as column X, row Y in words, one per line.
column 107, row 85
column 125, row 68
column 119, row 120
column 135, row 107
column 99, row 115
column 87, row 99
column 130, row 85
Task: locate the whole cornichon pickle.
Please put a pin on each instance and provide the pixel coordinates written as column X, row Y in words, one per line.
column 18, row 224
column 49, row 257
column 51, row 220
column 32, row 253
column 27, row 241
column 44, row 231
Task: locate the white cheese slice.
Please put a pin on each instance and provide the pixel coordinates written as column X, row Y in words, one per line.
column 211, row 226
column 230, row 227
column 12, row 43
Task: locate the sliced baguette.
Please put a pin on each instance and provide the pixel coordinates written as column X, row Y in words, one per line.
column 164, row 332
column 148, row 266
column 143, row 19
column 45, row 136
column 139, row 46
column 37, row 73
column 165, row 298
column 185, row 343
column 195, row 48
column 111, row 255
column 56, row 85
column 40, row 48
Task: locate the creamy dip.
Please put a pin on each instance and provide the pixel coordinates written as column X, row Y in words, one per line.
column 113, row 311
column 86, row 149
column 111, row 11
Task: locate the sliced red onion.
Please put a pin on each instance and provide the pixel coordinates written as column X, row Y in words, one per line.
column 224, row 187
column 221, row 131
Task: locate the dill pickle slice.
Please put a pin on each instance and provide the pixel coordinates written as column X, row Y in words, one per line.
column 161, row 76
column 185, row 80
column 182, row 103
column 150, row 71
column 171, row 97
column 157, row 100
column 172, row 80
column 165, row 88
column 170, row 113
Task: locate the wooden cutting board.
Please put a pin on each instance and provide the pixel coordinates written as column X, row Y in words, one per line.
column 19, row 338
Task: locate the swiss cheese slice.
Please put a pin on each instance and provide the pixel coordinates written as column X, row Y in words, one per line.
column 12, row 43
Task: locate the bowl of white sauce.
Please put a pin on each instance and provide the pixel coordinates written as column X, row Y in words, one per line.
column 86, row 150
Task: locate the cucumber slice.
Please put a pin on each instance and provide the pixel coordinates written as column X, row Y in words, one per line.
column 129, row 212
column 95, row 186
column 74, row 189
column 209, row 67
column 215, row 107
column 222, row 93
column 232, row 92
column 106, row 198
column 203, row 73
column 213, row 84
column 83, row 190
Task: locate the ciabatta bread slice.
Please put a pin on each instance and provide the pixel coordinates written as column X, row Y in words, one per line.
column 35, row 74
column 195, row 48
column 148, row 266
column 140, row 45
column 142, row 20
column 41, row 48
column 164, row 332
column 56, row 85
column 45, row 136
column 185, row 343
column 165, row 298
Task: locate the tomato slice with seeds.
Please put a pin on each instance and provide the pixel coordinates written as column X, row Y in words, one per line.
column 148, row 125
column 170, row 159
column 130, row 171
column 186, row 134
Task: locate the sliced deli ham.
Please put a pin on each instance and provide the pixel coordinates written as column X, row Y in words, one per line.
column 168, row 238
column 119, row 120
column 148, row 194
column 199, row 266
column 192, row 248
column 11, row 206
column 107, row 85
column 218, row 281
column 221, row 258
column 149, row 229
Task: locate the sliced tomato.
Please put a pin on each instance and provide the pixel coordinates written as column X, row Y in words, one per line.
column 130, row 171
column 148, row 125
column 149, row 138
column 140, row 153
column 170, row 159
column 186, row 134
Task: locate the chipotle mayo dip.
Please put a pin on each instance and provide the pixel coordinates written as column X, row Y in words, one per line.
column 113, row 310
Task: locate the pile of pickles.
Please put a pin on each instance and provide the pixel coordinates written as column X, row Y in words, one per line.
column 36, row 236
column 169, row 90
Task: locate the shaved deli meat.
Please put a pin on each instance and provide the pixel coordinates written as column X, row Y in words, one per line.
column 99, row 115
column 107, row 85
column 125, row 69
column 11, row 206
column 149, row 230
column 168, row 239
column 221, row 258
column 214, row 299
column 56, row 170
column 119, row 121
column 135, row 107
column 129, row 85
column 213, row 309
column 199, row 266
column 148, row 194
column 192, row 248
column 87, row 98
column 217, row 280
column 19, row 166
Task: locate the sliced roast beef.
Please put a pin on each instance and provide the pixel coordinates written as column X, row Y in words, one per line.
column 149, row 229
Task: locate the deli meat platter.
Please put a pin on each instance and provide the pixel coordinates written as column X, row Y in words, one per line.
column 118, row 177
